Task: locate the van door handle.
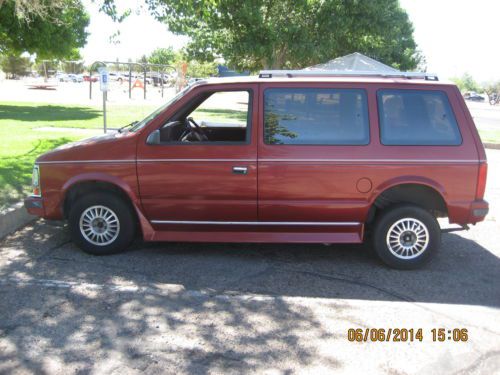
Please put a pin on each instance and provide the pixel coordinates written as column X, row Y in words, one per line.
column 240, row 170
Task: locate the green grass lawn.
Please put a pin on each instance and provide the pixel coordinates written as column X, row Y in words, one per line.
column 25, row 131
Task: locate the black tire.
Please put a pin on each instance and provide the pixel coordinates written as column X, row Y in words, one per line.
column 421, row 255
column 124, row 215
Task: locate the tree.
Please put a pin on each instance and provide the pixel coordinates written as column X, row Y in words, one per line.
column 27, row 9
column 492, row 88
column 49, row 28
column 466, row 83
column 291, row 33
column 15, row 65
column 162, row 56
column 142, row 60
column 198, row 69
column 73, row 62
column 195, row 68
column 46, row 67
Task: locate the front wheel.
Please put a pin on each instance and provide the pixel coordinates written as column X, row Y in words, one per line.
column 101, row 224
column 406, row 237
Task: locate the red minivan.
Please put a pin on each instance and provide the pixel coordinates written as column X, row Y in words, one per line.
column 288, row 156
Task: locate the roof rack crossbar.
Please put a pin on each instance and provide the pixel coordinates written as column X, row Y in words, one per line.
column 341, row 73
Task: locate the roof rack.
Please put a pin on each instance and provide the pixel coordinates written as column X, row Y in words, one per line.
column 342, row 73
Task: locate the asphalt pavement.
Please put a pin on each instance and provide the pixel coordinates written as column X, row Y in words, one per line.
column 247, row 308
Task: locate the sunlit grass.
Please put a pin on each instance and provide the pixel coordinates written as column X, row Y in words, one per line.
column 220, row 115
column 25, row 133
column 15, row 171
column 490, row 136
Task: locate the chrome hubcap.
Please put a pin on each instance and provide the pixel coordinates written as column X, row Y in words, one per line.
column 99, row 225
column 407, row 238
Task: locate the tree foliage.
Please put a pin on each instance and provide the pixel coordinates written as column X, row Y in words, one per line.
column 109, row 7
column 51, row 29
column 162, row 56
column 201, row 69
column 258, row 34
column 27, row 9
column 466, row 83
column 195, row 68
column 492, row 89
column 176, row 59
column 15, row 65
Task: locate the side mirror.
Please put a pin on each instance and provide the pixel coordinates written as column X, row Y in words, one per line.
column 153, row 138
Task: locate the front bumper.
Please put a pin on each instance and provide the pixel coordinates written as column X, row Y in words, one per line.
column 34, row 206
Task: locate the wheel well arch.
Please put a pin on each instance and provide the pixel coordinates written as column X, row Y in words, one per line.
column 78, row 189
column 420, row 194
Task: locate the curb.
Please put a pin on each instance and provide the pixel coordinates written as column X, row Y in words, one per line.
column 13, row 218
column 494, row 146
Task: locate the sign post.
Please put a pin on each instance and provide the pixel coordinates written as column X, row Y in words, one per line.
column 104, row 79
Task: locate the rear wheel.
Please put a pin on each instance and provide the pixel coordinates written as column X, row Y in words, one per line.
column 406, row 236
column 101, row 224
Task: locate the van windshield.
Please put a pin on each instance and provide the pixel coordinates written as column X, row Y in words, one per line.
column 139, row 125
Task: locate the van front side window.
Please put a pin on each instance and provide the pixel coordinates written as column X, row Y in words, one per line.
column 213, row 118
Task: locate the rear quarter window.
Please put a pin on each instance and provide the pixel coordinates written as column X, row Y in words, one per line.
column 417, row 117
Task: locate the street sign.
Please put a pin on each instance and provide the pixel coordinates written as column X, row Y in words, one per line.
column 103, row 78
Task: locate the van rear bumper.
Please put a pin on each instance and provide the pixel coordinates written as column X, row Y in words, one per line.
column 478, row 211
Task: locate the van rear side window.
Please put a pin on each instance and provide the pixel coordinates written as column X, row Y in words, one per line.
column 417, row 117
column 302, row 116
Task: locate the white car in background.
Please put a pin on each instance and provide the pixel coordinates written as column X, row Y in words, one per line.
column 75, row 77
column 63, row 77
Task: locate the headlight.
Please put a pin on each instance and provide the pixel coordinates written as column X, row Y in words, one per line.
column 35, row 181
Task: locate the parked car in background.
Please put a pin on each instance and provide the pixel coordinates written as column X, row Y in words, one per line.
column 473, row 97
column 86, row 78
column 118, row 77
column 339, row 159
column 158, row 78
column 124, row 77
column 76, row 77
column 61, row 77
column 70, row 77
column 140, row 77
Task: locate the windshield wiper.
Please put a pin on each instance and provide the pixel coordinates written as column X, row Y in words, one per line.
column 127, row 126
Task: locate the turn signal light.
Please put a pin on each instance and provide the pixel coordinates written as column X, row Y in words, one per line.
column 35, row 183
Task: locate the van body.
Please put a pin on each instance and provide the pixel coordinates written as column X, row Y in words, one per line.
column 304, row 159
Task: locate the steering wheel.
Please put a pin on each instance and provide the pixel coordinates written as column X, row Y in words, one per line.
column 193, row 130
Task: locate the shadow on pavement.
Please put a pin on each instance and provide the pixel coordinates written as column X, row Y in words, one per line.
column 45, row 315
